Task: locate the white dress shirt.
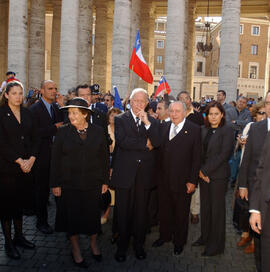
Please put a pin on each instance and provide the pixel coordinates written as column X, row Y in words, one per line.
column 179, row 128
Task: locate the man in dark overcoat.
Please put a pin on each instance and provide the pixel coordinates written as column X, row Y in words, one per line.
column 180, row 152
column 49, row 119
column 136, row 134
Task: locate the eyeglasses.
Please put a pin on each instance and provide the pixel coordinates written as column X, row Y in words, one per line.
column 261, row 112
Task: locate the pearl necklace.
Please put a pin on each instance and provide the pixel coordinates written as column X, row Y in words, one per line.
column 82, row 131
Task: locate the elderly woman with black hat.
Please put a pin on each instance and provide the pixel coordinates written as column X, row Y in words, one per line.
column 79, row 174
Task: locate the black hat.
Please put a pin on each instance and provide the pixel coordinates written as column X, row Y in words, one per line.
column 95, row 89
column 77, row 102
column 10, row 73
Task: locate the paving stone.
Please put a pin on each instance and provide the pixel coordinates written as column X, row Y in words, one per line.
column 52, row 252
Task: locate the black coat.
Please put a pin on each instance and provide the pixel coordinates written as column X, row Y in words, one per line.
column 219, row 151
column 17, row 140
column 260, row 197
column 79, row 164
column 253, row 149
column 130, row 151
column 46, row 131
column 181, row 156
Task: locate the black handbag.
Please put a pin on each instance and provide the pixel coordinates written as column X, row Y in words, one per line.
column 105, row 200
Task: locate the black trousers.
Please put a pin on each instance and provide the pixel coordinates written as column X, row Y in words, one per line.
column 213, row 215
column 153, row 208
column 132, row 213
column 42, row 190
column 265, row 242
column 173, row 214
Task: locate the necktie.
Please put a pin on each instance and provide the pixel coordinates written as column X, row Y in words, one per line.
column 52, row 114
column 174, row 132
column 137, row 122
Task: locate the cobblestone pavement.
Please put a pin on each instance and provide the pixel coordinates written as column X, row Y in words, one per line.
column 52, row 252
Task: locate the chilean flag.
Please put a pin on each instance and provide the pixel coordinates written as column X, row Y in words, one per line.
column 163, row 85
column 137, row 62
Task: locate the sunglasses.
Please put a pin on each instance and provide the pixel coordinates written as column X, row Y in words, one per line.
column 261, row 112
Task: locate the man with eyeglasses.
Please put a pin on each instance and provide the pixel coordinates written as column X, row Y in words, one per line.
column 249, row 165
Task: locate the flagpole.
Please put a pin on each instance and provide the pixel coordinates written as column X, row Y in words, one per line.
column 164, row 86
column 166, row 95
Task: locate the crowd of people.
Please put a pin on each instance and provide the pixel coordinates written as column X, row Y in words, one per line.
column 159, row 162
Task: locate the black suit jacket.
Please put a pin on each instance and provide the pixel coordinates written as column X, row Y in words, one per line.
column 131, row 151
column 253, row 149
column 79, row 164
column 219, row 151
column 180, row 156
column 260, row 197
column 17, row 140
column 46, row 131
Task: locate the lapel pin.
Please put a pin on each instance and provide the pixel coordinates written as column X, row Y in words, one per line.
column 185, row 132
column 8, row 114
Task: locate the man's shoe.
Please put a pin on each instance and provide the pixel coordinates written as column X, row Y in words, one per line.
column 45, row 228
column 194, row 219
column 178, row 250
column 12, row 252
column 243, row 241
column 120, row 257
column 249, row 249
column 140, row 254
column 22, row 242
column 158, row 243
column 199, row 242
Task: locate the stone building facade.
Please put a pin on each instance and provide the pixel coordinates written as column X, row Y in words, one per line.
column 72, row 60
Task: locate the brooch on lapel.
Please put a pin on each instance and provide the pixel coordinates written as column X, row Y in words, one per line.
column 8, row 114
column 186, row 132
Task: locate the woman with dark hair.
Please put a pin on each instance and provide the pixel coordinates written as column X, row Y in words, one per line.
column 18, row 151
column 79, row 174
column 217, row 147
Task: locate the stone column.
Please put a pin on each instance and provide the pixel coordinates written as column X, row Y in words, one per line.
column 121, row 46
column 109, row 45
column 151, row 62
column 147, row 39
column 229, row 48
column 175, row 42
column 69, row 45
column 267, row 64
column 190, row 45
column 100, row 57
column 18, row 39
column 135, row 25
column 36, row 44
column 85, row 42
column 55, row 51
column 4, row 39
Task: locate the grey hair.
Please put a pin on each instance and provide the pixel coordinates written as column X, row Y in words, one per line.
column 139, row 90
column 179, row 102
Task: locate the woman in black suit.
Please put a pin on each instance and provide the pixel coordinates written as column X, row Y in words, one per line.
column 217, row 147
column 79, row 174
column 18, row 150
